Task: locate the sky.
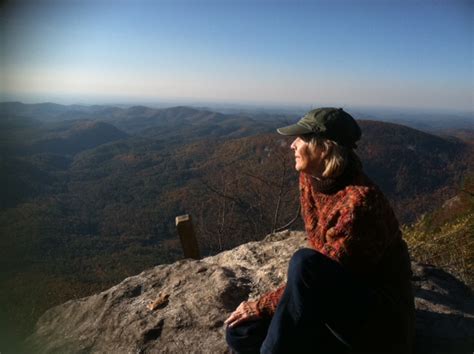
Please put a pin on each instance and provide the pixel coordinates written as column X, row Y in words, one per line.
column 377, row 53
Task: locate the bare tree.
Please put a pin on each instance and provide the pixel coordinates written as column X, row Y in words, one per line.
column 249, row 200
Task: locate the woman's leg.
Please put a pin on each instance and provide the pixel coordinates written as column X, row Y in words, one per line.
column 247, row 337
column 321, row 297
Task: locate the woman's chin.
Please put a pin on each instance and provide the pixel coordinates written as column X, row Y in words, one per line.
column 298, row 167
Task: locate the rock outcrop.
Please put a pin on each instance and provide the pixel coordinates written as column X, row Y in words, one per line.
column 181, row 307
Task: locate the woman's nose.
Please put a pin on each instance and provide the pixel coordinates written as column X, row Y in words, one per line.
column 293, row 145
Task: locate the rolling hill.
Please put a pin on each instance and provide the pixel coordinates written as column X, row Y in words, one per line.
column 86, row 202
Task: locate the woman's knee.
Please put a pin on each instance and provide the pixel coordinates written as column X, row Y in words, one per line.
column 303, row 264
column 304, row 258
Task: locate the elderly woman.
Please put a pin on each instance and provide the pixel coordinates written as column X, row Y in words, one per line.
column 351, row 291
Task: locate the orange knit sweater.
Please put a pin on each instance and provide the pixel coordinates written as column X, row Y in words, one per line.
column 348, row 220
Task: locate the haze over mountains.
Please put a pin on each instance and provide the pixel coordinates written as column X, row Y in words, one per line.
column 88, row 194
column 424, row 120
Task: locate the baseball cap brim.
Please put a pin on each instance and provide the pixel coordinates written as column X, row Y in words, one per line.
column 294, row 129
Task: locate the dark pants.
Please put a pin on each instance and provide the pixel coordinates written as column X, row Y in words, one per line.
column 322, row 310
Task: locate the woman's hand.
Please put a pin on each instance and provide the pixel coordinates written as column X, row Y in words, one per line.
column 246, row 311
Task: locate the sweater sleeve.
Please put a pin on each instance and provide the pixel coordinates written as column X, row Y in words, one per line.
column 363, row 228
column 268, row 302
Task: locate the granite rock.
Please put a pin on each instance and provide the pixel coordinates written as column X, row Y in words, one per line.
column 181, row 307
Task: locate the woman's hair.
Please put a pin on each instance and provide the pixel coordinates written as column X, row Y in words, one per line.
column 337, row 157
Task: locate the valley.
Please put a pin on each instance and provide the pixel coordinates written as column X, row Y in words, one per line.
column 89, row 194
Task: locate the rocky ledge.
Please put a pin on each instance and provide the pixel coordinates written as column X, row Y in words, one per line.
column 181, row 307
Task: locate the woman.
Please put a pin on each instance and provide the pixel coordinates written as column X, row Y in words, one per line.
column 351, row 291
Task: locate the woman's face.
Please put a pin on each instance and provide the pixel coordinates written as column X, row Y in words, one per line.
column 308, row 158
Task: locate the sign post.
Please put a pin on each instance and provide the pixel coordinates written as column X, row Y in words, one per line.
column 184, row 225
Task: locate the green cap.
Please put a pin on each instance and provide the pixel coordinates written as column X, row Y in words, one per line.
column 328, row 123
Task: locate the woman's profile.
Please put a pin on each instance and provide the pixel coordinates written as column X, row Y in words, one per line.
column 350, row 291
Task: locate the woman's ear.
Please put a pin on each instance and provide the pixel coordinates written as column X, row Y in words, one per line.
column 325, row 152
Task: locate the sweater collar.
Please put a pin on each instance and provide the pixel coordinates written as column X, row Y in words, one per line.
column 331, row 185
column 323, row 184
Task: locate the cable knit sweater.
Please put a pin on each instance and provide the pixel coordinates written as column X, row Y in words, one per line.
column 350, row 221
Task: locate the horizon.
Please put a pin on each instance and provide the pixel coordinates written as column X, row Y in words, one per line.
column 395, row 55
column 359, row 112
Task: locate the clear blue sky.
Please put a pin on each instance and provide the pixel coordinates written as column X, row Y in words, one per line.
column 348, row 53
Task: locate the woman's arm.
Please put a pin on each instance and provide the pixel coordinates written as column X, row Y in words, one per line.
column 366, row 226
column 248, row 310
column 268, row 302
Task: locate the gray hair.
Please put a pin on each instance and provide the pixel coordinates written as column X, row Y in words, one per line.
column 337, row 156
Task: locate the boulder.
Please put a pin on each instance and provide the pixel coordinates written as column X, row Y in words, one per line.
column 181, row 307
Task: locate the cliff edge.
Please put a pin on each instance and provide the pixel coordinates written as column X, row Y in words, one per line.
column 181, row 307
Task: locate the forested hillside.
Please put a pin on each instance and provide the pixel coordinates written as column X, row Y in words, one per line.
column 445, row 237
column 88, row 195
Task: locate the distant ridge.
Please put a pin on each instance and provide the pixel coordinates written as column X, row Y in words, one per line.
column 140, row 119
column 50, row 112
column 79, row 136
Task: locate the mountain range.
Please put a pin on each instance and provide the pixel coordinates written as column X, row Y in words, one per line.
column 88, row 194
